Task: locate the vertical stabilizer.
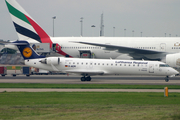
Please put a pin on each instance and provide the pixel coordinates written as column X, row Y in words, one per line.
column 26, row 50
column 26, row 27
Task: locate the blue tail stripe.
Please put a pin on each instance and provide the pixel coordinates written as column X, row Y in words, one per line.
column 21, row 48
column 26, row 32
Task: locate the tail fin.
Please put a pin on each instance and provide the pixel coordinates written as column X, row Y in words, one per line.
column 26, row 50
column 26, row 27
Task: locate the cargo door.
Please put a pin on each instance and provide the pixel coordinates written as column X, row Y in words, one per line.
column 85, row 53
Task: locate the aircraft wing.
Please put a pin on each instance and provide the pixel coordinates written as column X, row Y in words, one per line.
column 133, row 52
column 86, row 72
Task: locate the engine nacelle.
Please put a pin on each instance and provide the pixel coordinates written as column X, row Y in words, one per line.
column 51, row 60
column 173, row 60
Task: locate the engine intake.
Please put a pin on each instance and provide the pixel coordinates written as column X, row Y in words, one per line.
column 173, row 60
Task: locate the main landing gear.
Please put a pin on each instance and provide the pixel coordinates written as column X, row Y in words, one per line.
column 167, row 78
column 86, row 78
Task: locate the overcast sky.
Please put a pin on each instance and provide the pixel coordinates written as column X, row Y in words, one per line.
column 153, row 18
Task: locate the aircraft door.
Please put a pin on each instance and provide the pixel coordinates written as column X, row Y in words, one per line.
column 56, row 47
column 151, row 68
column 162, row 47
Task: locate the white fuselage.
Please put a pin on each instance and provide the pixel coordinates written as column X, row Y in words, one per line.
column 163, row 44
column 104, row 66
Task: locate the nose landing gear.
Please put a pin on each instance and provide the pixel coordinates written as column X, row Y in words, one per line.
column 167, row 78
column 86, row 78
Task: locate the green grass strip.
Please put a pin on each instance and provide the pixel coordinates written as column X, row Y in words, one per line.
column 89, row 106
column 85, row 86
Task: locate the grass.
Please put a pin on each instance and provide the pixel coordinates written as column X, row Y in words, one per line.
column 85, row 86
column 89, row 105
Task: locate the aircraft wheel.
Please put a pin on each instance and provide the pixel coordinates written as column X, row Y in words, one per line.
column 14, row 75
column 167, row 79
column 88, row 78
column 27, row 75
column 83, row 78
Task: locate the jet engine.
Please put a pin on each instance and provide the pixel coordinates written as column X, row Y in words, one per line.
column 51, row 60
column 173, row 60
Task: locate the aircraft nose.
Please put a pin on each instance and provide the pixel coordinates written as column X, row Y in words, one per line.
column 175, row 72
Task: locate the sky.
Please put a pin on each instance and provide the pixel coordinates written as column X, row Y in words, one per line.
column 153, row 18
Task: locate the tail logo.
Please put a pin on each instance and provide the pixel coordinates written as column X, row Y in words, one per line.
column 27, row 52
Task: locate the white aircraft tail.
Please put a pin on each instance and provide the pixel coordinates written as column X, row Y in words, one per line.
column 26, row 27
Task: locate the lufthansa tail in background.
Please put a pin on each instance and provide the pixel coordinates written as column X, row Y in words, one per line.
column 89, row 67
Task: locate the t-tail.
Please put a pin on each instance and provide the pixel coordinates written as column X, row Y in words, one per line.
column 26, row 50
column 26, row 28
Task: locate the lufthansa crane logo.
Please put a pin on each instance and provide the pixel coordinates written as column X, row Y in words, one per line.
column 27, row 52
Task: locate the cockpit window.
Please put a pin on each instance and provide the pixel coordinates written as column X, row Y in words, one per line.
column 163, row 65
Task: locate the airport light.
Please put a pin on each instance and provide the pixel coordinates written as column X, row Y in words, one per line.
column 165, row 34
column 81, row 25
column 53, row 24
column 133, row 33
column 124, row 32
column 141, row 34
column 114, row 31
column 93, row 26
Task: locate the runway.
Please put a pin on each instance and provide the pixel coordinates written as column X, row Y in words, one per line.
column 73, row 79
